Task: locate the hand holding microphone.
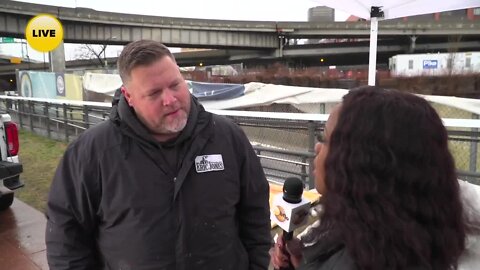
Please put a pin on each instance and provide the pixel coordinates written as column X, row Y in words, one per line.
column 286, row 257
column 289, row 211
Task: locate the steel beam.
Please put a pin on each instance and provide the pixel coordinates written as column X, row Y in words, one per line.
column 298, row 51
column 90, row 26
column 84, row 25
column 385, row 29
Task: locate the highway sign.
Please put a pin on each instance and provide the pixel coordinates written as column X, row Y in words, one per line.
column 7, row 40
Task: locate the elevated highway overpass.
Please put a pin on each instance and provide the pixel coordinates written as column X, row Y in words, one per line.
column 240, row 41
column 90, row 26
column 345, row 53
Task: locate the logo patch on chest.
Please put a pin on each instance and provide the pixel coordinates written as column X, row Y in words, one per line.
column 209, row 163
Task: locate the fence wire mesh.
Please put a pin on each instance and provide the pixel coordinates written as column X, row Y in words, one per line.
column 285, row 147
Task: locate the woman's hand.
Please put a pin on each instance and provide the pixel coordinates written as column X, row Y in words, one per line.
column 281, row 255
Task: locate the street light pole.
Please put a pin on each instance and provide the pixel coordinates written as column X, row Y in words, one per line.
column 105, row 56
column 105, row 50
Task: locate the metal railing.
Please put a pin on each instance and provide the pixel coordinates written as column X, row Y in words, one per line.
column 284, row 142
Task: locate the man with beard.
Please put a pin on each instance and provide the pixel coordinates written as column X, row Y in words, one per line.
column 163, row 184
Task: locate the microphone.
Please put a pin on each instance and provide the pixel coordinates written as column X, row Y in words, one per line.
column 290, row 209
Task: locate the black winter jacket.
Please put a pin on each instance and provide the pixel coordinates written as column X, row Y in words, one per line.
column 118, row 201
column 319, row 257
column 324, row 250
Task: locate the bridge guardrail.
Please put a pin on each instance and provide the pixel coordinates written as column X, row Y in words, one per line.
column 284, row 142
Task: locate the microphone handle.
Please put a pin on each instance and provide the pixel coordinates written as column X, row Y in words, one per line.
column 287, row 236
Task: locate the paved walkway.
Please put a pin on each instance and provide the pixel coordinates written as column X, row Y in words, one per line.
column 22, row 238
column 22, row 235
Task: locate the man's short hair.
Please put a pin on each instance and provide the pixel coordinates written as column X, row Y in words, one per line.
column 140, row 53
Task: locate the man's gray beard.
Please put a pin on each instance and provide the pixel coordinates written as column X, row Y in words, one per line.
column 175, row 127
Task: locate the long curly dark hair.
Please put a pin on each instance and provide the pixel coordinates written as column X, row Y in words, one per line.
column 392, row 189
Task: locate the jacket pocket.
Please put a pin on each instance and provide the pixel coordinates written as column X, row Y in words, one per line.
column 216, row 246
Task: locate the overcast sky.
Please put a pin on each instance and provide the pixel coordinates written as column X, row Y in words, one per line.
column 257, row 10
column 261, row 10
column 254, row 10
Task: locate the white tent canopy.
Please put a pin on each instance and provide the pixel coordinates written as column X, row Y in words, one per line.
column 306, row 99
column 391, row 9
column 102, row 83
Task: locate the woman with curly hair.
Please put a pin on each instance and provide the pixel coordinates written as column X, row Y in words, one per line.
column 390, row 194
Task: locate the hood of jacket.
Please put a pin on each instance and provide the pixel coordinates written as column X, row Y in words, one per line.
column 470, row 196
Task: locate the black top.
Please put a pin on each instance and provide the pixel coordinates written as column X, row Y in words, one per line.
column 120, row 201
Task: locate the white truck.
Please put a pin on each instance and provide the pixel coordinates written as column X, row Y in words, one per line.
column 10, row 167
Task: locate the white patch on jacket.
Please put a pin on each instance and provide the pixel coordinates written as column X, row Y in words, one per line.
column 209, row 163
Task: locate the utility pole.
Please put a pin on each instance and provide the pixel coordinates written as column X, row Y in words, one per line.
column 105, row 55
column 105, row 50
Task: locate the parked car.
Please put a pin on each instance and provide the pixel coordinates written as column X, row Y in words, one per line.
column 10, row 167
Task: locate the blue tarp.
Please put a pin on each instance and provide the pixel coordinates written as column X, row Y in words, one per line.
column 215, row 91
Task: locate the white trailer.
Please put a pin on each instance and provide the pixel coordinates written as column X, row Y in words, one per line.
column 434, row 64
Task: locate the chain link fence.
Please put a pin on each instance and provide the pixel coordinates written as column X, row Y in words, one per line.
column 463, row 142
column 284, row 140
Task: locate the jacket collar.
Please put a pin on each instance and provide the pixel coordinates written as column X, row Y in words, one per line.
column 321, row 243
column 124, row 116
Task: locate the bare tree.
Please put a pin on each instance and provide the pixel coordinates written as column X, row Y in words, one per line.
column 453, row 48
column 93, row 52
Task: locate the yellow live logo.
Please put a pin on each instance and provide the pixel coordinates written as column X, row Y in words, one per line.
column 44, row 33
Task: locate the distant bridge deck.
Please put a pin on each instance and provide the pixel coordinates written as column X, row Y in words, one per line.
column 83, row 25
